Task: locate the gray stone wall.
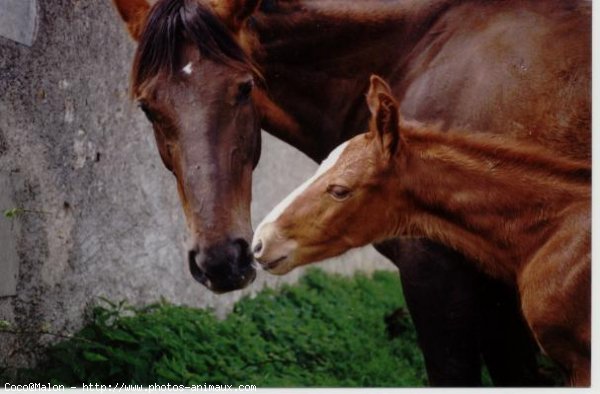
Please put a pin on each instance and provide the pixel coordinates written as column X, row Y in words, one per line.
column 100, row 214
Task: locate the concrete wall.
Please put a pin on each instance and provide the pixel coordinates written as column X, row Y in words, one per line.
column 101, row 217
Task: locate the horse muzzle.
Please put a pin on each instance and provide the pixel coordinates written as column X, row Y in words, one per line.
column 223, row 267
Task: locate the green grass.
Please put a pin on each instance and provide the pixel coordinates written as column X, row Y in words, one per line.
column 326, row 331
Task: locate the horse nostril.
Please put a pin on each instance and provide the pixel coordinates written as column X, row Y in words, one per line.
column 192, row 256
column 258, row 248
column 195, row 270
column 241, row 250
column 223, row 266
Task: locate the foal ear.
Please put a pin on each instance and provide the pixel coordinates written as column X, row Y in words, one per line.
column 134, row 13
column 384, row 116
column 376, row 87
column 386, row 124
column 235, row 12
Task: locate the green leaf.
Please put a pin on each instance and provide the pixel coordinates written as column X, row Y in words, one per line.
column 13, row 213
column 95, row 357
column 120, row 335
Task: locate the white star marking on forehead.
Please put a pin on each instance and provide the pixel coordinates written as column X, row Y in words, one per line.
column 188, row 69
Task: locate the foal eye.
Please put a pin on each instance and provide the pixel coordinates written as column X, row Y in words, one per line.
column 338, row 192
column 244, row 91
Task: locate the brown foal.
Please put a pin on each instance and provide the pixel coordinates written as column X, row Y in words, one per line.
column 517, row 210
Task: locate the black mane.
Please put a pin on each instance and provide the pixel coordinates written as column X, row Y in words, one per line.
column 171, row 24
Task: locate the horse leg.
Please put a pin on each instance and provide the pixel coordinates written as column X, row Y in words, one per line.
column 443, row 312
column 511, row 359
column 444, row 296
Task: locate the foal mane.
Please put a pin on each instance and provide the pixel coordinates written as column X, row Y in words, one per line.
column 173, row 23
column 516, row 151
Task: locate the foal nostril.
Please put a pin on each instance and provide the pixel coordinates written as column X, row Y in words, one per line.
column 258, row 248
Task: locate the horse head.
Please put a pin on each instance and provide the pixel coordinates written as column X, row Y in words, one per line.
column 195, row 82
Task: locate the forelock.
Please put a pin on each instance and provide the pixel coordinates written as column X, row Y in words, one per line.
column 174, row 23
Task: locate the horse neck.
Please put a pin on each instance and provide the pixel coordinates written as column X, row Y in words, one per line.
column 317, row 57
column 494, row 201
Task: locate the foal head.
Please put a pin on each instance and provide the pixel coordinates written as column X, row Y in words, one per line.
column 344, row 205
column 194, row 81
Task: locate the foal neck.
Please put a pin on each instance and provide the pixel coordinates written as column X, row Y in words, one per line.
column 316, row 57
column 489, row 197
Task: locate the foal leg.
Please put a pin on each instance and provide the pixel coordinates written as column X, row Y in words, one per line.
column 555, row 289
column 561, row 341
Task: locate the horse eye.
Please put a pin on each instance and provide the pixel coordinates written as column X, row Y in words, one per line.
column 338, row 192
column 146, row 111
column 244, row 90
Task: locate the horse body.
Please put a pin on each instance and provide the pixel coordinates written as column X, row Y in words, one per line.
column 521, row 213
column 317, row 55
column 474, row 65
column 526, row 73
column 469, row 64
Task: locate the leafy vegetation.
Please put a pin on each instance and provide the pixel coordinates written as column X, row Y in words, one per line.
column 16, row 212
column 326, row 331
column 13, row 212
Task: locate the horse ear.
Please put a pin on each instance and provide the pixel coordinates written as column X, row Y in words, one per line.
column 235, row 12
column 134, row 13
column 384, row 116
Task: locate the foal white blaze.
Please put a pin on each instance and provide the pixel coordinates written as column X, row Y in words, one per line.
column 267, row 226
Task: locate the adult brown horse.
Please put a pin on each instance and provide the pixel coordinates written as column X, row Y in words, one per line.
column 521, row 212
column 209, row 73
